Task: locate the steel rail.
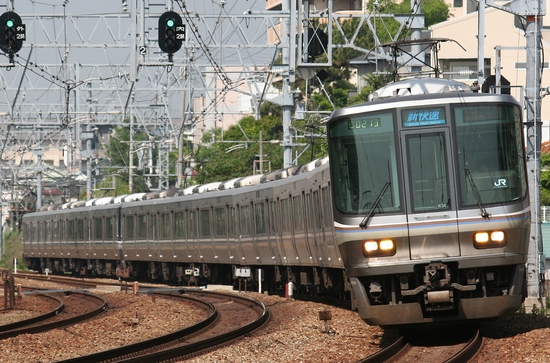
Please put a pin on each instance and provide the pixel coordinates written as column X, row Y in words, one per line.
column 102, row 306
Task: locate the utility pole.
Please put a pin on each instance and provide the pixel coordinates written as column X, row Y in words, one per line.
column 535, row 262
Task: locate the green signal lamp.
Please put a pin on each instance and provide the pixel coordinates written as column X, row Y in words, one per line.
column 10, row 23
column 170, row 23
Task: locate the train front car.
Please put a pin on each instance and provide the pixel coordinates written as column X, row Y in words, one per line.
column 431, row 208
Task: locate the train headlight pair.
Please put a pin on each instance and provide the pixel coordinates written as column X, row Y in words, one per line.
column 374, row 248
column 489, row 239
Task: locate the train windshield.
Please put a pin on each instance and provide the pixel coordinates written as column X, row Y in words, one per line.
column 363, row 161
column 490, row 157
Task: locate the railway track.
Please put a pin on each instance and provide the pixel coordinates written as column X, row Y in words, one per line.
column 73, row 307
column 230, row 317
column 458, row 346
column 68, row 281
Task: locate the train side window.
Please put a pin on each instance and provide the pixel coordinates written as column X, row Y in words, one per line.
column 298, row 213
column 129, row 229
column 246, row 222
column 98, row 228
column 259, row 214
column 109, row 228
column 205, row 222
column 192, row 224
column 142, row 226
column 179, row 225
column 165, row 226
column 285, row 216
column 220, row 222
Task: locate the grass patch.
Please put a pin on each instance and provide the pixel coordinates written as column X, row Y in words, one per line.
column 12, row 248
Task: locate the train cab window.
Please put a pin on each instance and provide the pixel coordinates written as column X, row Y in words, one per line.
column 491, row 162
column 220, row 222
column 129, row 227
column 259, row 214
column 109, row 228
column 98, row 229
column 165, row 226
column 205, row 222
column 428, row 171
column 364, row 163
column 179, row 225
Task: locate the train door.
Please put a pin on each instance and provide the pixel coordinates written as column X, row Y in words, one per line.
column 208, row 251
column 276, row 230
column 165, row 242
column 431, row 207
column 310, row 237
column 232, row 230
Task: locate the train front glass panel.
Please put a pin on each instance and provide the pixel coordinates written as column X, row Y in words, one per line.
column 365, row 161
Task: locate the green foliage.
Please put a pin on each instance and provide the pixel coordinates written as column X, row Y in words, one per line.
column 372, row 83
column 118, row 151
column 12, row 248
column 538, row 311
column 234, row 155
column 545, row 179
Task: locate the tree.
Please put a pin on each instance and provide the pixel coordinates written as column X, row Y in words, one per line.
column 337, row 82
column 545, row 179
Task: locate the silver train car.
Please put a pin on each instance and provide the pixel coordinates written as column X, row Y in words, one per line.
column 430, row 203
column 266, row 230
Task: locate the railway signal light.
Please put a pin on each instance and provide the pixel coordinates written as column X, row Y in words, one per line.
column 14, row 32
column 171, row 32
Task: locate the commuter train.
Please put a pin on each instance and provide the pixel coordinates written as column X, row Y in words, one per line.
column 421, row 216
column 430, row 203
column 260, row 231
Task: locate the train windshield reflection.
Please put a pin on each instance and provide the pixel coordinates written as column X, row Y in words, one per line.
column 493, row 156
column 363, row 150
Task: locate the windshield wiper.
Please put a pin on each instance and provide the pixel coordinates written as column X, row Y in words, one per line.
column 369, row 215
column 484, row 213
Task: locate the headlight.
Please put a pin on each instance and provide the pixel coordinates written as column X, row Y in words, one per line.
column 489, row 239
column 385, row 247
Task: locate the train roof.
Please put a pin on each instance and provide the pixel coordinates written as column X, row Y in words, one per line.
column 419, row 91
column 242, row 182
column 420, row 86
